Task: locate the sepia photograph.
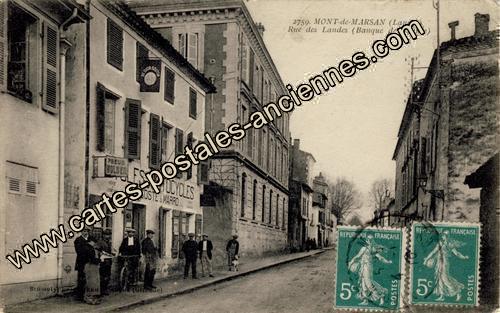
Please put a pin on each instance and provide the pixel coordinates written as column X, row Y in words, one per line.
column 249, row 156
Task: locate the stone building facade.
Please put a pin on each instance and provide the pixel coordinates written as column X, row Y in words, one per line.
column 129, row 131
column 301, row 219
column 248, row 190
column 34, row 40
column 448, row 132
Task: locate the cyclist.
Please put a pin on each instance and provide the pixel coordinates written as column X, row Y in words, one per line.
column 131, row 248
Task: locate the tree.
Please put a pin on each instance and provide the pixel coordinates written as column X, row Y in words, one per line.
column 380, row 192
column 345, row 197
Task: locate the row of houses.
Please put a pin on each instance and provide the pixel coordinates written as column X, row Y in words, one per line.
column 97, row 93
column 447, row 149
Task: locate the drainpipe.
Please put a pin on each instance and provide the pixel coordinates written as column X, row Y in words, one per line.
column 64, row 45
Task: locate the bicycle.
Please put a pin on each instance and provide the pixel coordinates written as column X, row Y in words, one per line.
column 124, row 272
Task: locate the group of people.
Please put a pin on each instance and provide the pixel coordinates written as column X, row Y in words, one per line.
column 203, row 249
column 94, row 261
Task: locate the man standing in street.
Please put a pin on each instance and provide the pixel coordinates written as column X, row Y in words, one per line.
column 131, row 248
column 104, row 245
column 205, row 248
column 83, row 250
column 190, row 249
column 150, row 257
column 232, row 248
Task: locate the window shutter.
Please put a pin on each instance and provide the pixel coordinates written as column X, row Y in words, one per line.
column 182, row 44
column 4, row 13
column 251, row 70
column 50, row 69
column 114, row 45
column 193, row 49
column 169, row 85
column 189, row 143
column 203, row 170
column 100, row 118
column 132, row 129
column 141, row 53
column 428, row 149
column 154, row 140
column 179, row 138
column 192, row 103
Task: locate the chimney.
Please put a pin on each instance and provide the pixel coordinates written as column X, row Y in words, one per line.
column 481, row 21
column 260, row 29
column 296, row 144
column 453, row 25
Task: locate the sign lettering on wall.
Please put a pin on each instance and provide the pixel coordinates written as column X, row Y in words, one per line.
column 150, row 75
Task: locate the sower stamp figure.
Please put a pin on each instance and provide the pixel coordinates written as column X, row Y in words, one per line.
column 370, row 267
column 205, row 248
column 131, row 247
column 232, row 248
column 445, row 264
column 104, row 246
column 151, row 257
column 82, row 257
column 190, row 250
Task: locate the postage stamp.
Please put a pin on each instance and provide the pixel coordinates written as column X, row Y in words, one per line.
column 444, row 266
column 370, row 268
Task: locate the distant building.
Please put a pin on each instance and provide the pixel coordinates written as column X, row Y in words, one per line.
column 448, row 132
column 248, row 189
column 302, row 220
column 320, row 204
column 34, row 40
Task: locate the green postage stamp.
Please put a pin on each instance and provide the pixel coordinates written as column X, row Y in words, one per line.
column 444, row 264
column 370, row 268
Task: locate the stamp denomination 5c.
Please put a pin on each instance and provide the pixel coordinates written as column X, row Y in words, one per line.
column 445, row 264
column 370, row 267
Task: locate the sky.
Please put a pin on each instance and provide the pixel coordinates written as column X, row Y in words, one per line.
column 352, row 130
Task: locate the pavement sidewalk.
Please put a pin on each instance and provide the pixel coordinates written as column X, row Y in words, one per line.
column 167, row 288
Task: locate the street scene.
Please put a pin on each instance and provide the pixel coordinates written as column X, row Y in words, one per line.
column 249, row 156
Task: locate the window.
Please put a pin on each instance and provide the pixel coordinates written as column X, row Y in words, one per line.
column 162, row 233
column 284, row 215
column 244, row 59
column 25, row 38
column 192, row 103
column 141, row 53
column 114, row 45
column 21, row 203
column 277, row 209
column 190, row 143
column 259, row 146
column 133, row 115
column 203, row 172
column 188, row 47
column 243, row 193
column 198, row 226
column 22, row 46
column 154, row 141
column 105, row 119
column 251, row 67
column 265, row 156
column 270, row 206
column 263, row 202
column 165, row 142
column 254, row 198
column 169, row 92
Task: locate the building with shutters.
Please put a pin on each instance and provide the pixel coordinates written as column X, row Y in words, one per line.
column 33, row 45
column 248, row 190
column 449, row 129
column 129, row 131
